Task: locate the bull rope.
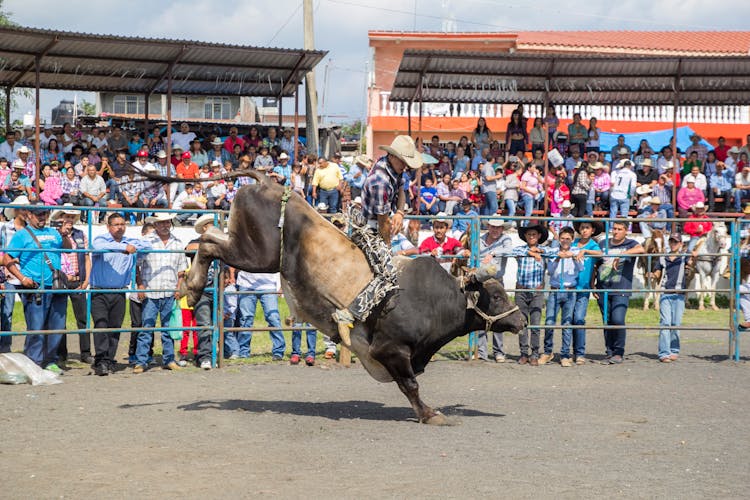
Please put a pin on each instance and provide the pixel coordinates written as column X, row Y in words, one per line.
column 284, row 198
column 490, row 319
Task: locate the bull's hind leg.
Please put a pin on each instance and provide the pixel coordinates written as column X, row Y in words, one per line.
column 398, row 364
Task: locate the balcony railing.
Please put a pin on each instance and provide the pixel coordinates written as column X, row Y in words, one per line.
column 691, row 114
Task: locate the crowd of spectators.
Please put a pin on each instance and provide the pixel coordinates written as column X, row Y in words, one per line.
column 485, row 173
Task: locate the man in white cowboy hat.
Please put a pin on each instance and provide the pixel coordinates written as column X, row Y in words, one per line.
column 722, row 184
column 29, row 167
column 35, row 270
column 159, row 272
column 218, row 153
column 652, row 211
column 77, row 268
column 623, row 189
column 666, row 160
column 16, row 221
column 17, row 184
column 698, row 226
column 357, row 175
column 741, row 186
column 282, row 173
column 733, row 157
column 287, row 141
column 646, row 175
column 696, row 146
column 381, row 216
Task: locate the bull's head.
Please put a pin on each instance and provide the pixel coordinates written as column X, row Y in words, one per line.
column 488, row 305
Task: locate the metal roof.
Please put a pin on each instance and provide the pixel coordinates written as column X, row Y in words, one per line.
column 88, row 62
column 481, row 77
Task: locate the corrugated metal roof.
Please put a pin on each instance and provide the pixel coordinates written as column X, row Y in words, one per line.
column 448, row 76
column 82, row 61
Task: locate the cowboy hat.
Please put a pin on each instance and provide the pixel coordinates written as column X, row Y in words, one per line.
column 428, row 159
column 734, row 150
column 177, row 147
column 320, row 207
column 746, row 210
column 499, row 223
column 283, row 156
column 644, row 189
column 654, row 200
column 161, row 217
column 669, row 165
column 404, row 149
column 543, row 233
column 10, row 213
column 217, row 142
column 57, row 214
column 623, row 151
column 203, row 221
column 595, row 225
column 19, row 164
column 439, row 218
column 363, row 161
column 597, row 166
column 24, row 150
column 646, row 162
column 357, row 200
column 566, row 204
column 698, row 206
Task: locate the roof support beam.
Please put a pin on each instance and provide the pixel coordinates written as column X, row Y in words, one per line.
column 169, row 71
column 291, row 78
column 418, row 90
column 34, row 63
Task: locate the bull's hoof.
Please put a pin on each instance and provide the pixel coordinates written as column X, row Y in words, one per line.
column 440, row 419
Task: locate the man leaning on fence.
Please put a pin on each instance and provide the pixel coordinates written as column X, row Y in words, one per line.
column 16, row 222
column 34, row 270
column 111, row 269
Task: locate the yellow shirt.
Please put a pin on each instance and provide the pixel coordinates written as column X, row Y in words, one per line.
column 327, row 178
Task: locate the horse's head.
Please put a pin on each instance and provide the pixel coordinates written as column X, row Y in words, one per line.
column 720, row 234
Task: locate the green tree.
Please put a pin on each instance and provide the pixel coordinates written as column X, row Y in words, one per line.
column 89, row 109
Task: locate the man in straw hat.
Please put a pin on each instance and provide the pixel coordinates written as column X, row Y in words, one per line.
column 381, row 216
column 35, row 270
column 652, row 211
column 159, row 272
column 357, row 174
column 16, row 221
column 77, row 268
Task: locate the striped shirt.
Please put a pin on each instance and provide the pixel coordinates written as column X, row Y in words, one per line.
column 159, row 270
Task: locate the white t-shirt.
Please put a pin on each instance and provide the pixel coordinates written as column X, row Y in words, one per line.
column 183, row 140
column 623, row 184
column 259, row 281
column 740, row 180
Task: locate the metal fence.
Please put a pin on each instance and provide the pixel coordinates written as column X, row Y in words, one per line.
column 475, row 224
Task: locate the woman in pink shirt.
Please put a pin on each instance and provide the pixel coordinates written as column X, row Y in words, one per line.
column 531, row 189
column 688, row 196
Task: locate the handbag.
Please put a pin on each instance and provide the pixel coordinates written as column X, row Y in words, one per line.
column 59, row 279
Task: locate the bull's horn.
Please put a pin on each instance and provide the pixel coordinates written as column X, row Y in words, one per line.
column 485, row 272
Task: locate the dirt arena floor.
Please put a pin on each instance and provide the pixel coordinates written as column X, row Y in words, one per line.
column 641, row 429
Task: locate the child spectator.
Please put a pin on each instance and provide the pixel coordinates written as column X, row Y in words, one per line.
column 672, row 301
column 428, row 200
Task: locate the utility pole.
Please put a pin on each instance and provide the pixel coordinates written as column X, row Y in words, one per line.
column 311, row 96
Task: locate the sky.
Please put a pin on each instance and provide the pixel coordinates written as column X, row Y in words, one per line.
column 341, row 27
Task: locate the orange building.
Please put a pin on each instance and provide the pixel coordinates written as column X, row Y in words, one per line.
column 451, row 121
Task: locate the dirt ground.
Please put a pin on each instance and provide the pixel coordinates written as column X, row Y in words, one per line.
column 641, row 429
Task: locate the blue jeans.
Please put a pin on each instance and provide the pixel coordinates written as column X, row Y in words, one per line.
column 511, row 204
column 50, row 314
column 564, row 302
column 114, row 190
column 671, row 309
column 311, row 340
column 669, row 209
column 151, row 308
column 490, row 207
column 528, row 202
column 331, row 198
column 617, row 308
column 579, row 318
column 433, row 210
column 738, row 195
column 621, row 206
column 270, row 304
column 6, row 315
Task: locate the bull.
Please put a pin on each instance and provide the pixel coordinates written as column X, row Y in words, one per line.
column 322, row 271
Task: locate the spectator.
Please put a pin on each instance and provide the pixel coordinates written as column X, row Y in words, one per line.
column 577, row 133
column 563, row 219
column 263, row 161
column 722, row 150
column 481, row 137
column 666, row 160
column 698, row 225
column 564, row 272
column 489, row 186
column 741, row 187
column 700, row 150
column 93, row 191
column 43, row 311
column 722, row 184
column 479, row 158
column 615, row 271
column 218, row 153
column 688, row 196
column 428, row 200
column 52, row 152
column 282, row 173
column 512, row 185
column 557, row 194
column 623, row 190
column 672, row 301
column 493, row 246
column 287, row 142
column 152, row 194
column 184, row 137
column 70, row 185
column 265, row 285
column 327, row 183
column 616, row 152
column 646, row 176
column 155, row 144
column 16, row 221
column 187, row 169
column 46, row 137
column 587, row 248
column 197, row 154
column 691, row 162
column 357, row 174
column 159, row 272
column 697, row 177
column 531, row 189
column 9, row 148
column 117, row 140
column 592, row 143
column 582, row 186
column 461, row 225
column 529, row 282
column 652, row 211
column 536, row 136
column 77, row 269
column 663, row 191
column 111, row 270
column 440, row 243
column 17, row 184
column 272, row 139
column 29, row 165
column 516, row 135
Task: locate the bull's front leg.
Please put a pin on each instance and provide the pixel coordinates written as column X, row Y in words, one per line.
column 212, row 246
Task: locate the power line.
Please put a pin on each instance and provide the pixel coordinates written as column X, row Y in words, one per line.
column 288, row 20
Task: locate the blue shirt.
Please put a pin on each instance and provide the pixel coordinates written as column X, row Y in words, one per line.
column 32, row 264
column 286, row 172
column 428, row 194
column 564, row 273
column 725, row 181
column 113, row 269
column 353, row 181
column 399, row 243
column 584, row 280
column 463, row 224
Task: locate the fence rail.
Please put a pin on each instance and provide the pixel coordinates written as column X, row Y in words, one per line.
column 475, row 222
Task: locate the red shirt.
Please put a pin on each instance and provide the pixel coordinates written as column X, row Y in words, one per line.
column 692, row 226
column 229, row 144
column 722, row 152
column 449, row 246
column 189, row 171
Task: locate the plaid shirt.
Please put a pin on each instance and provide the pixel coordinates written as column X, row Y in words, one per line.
column 159, row 270
column 69, row 186
column 380, row 191
column 530, row 272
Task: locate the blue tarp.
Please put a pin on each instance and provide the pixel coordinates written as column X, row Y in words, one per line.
column 657, row 139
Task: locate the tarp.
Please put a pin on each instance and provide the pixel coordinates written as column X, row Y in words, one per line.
column 657, row 139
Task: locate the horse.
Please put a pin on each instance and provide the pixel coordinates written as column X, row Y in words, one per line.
column 708, row 267
column 649, row 266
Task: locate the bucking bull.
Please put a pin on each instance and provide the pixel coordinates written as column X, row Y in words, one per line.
column 322, row 271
